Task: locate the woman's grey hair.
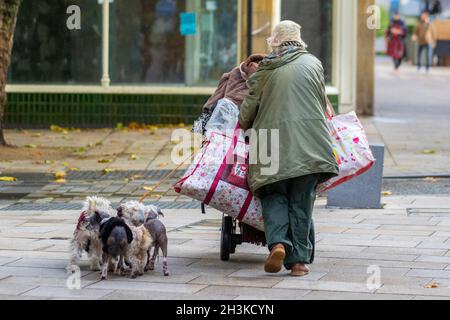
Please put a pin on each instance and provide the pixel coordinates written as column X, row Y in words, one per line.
column 287, row 31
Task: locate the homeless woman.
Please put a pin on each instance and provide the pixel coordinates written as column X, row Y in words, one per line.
column 287, row 94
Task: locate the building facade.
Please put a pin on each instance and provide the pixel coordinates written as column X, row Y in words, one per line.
column 157, row 61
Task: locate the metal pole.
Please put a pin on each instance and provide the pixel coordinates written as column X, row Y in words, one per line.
column 249, row 27
column 105, row 45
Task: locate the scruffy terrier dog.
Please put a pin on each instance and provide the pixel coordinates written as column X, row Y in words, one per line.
column 159, row 234
column 86, row 234
column 133, row 212
column 116, row 236
column 137, row 214
column 136, row 255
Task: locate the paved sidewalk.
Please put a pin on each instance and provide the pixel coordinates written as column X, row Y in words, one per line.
column 412, row 118
column 408, row 242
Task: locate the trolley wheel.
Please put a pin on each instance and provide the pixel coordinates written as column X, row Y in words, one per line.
column 226, row 238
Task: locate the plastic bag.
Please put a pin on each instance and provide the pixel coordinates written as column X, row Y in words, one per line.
column 224, row 117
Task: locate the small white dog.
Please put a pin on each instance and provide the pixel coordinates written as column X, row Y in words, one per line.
column 86, row 234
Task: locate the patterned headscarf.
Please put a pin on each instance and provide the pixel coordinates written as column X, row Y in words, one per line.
column 285, row 48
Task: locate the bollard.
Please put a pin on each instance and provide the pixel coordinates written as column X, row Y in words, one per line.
column 363, row 192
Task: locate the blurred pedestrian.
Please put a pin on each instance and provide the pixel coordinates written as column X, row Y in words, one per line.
column 395, row 39
column 423, row 36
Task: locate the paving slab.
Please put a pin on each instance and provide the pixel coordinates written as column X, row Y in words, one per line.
column 148, row 295
column 234, row 280
column 335, row 295
column 64, row 293
column 255, row 294
column 147, row 286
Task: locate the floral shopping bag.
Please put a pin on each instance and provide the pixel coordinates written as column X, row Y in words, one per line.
column 351, row 148
column 218, row 178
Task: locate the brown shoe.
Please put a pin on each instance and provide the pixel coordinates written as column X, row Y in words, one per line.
column 274, row 262
column 299, row 270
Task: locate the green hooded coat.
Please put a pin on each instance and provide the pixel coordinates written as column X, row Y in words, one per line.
column 288, row 94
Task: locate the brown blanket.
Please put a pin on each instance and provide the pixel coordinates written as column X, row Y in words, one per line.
column 233, row 85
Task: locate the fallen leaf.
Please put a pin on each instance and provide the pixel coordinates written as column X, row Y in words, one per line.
column 60, row 175
column 431, row 179
column 133, row 126
column 119, row 126
column 433, row 285
column 49, row 162
column 60, row 181
column 132, row 157
column 429, row 152
column 30, row 146
column 59, row 129
column 36, row 135
column 386, row 193
column 150, row 189
column 108, row 170
column 104, row 161
column 163, row 165
column 74, row 169
column 8, row 179
column 80, row 150
column 65, row 164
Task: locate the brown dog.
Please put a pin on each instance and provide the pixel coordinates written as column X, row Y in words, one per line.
column 159, row 234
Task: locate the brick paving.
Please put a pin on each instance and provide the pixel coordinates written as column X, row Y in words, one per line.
column 408, row 242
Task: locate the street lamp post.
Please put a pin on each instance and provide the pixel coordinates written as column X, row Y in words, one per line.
column 249, row 27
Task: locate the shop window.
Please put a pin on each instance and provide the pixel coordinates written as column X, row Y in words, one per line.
column 149, row 44
column 316, row 18
column 46, row 51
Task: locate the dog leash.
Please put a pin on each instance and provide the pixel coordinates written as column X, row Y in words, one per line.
column 167, row 177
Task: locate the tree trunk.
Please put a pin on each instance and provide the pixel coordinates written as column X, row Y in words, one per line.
column 8, row 18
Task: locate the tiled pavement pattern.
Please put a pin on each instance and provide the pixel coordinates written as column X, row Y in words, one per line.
column 409, row 241
column 118, row 185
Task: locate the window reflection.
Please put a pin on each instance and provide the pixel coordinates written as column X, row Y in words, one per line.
column 45, row 51
column 316, row 18
column 147, row 45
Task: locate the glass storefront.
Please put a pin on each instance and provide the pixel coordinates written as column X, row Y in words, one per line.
column 152, row 42
column 147, row 42
column 316, row 18
column 46, row 51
